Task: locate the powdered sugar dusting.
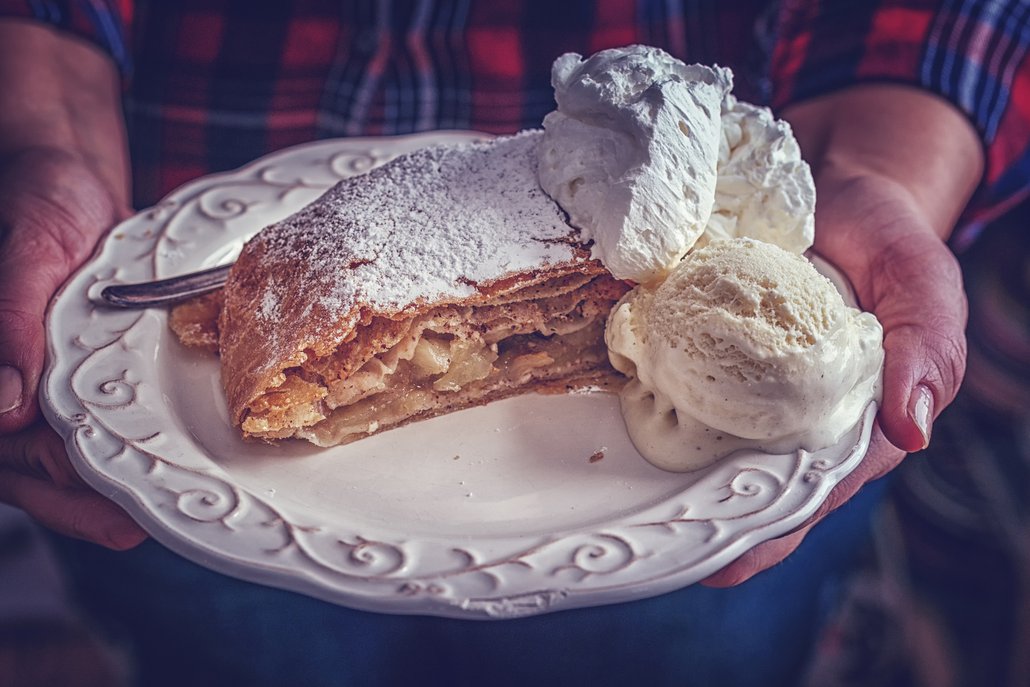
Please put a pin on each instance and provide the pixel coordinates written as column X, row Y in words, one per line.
column 269, row 306
column 426, row 226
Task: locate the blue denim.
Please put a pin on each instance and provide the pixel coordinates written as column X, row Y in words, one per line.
column 189, row 625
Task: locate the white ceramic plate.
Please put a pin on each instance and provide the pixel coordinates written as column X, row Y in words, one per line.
column 494, row 512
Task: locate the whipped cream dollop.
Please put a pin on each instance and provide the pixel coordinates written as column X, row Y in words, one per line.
column 731, row 339
column 631, row 154
column 764, row 190
column 649, row 156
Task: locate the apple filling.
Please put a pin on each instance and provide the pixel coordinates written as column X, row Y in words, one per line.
column 449, row 358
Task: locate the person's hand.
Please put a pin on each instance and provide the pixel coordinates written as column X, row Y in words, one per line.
column 882, row 223
column 907, row 276
column 52, row 209
column 63, row 182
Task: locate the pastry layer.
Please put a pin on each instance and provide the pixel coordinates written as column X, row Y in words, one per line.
column 393, row 371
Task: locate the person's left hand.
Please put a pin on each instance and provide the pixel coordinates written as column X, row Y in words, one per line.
column 887, row 239
column 906, row 275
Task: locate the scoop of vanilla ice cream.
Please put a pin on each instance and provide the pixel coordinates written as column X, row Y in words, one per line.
column 748, row 342
column 763, row 189
column 631, row 152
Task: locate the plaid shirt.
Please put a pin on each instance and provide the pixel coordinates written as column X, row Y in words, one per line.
column 212, row 84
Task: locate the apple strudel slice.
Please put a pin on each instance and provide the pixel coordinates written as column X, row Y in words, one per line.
column 442, row 280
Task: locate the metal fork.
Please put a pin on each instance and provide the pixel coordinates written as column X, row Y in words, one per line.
column 165, row 291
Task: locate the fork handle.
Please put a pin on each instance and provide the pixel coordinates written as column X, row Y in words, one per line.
column 165, row 291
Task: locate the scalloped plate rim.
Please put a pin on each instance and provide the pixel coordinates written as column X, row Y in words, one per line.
column 547, row 598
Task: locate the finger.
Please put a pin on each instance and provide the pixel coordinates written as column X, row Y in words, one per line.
column 922, row 372
column 37, row 476
column 754, row 561
column 39, row 452
column 880, row 458
column 78, row 513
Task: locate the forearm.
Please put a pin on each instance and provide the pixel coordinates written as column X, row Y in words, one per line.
column 60, row 94
column 898, row 134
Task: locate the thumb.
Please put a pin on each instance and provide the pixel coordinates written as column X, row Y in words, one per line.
column 51, row 212
column 923, row 312
column 26, row 284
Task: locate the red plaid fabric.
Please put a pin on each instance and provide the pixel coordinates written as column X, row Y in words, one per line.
column 212, row 84
column 971, row 52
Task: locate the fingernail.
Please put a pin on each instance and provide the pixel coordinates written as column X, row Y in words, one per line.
column 920, row 411
column 10, row 388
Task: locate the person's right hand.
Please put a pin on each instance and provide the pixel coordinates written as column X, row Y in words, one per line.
column 53, row 207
